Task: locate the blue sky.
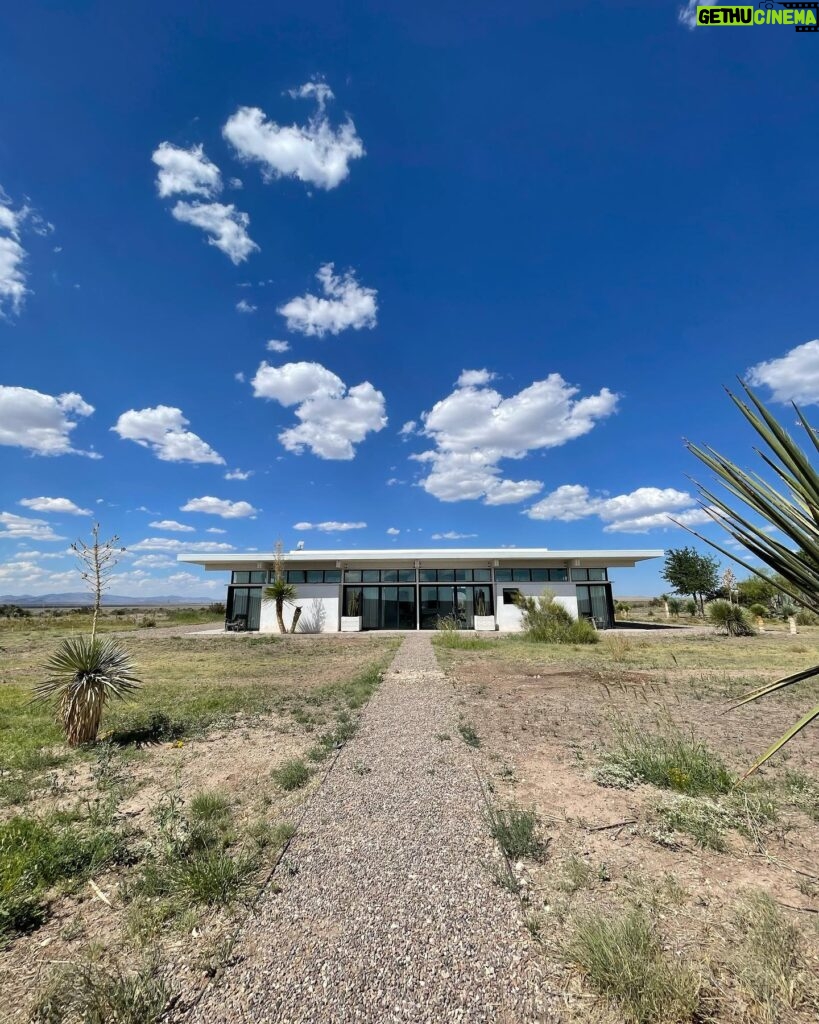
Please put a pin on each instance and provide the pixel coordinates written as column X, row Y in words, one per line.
column 507, row 259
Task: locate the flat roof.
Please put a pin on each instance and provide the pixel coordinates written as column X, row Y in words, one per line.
column 390, row 556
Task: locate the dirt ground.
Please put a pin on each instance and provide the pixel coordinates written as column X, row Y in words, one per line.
column 544, row 723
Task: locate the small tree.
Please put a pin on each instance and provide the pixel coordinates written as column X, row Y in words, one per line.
column 690, row 572
column 281, row 591
column 86, row 672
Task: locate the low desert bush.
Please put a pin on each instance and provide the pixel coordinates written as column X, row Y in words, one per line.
column 728, row 618
column 291, row 775
column 515, row 830
column 546, row 621
column 468, row 734
column 669, row 760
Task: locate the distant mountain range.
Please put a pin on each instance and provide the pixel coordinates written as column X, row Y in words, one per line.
column 83, row 600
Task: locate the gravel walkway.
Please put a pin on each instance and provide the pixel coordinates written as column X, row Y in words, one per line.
column 387, row 911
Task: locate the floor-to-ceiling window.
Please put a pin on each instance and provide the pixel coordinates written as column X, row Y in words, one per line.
column 244, row 604
column 460, row 604
column 594, row 602
column 381, row 607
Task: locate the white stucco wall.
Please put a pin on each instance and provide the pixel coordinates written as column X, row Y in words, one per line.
column 509, row 615
column 319, row 610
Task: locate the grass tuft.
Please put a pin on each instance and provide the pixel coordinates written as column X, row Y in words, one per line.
column 94, row 995
column 669, row 760
column 291, row 775
column 515, row 830
column 468, row 734
column 623, row 959
column 767, row 964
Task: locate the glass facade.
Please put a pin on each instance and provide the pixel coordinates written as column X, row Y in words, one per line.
column 412, row 598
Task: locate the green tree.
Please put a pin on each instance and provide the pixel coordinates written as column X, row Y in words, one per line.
column 793, row 510
column 690, row 572
column 758, row 589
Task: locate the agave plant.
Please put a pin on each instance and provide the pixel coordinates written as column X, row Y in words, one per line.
column 85, row 673
column 793, row 511
column 728, row 618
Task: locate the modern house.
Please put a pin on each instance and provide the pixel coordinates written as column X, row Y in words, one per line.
column 413, row 589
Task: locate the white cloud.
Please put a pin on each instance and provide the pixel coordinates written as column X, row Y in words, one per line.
column 214, row 529
column 474, row 378
column 172, row 525
column 57, row 505
column 345, row 304
column 452, row 535
column 315, row 153
column 793, row 377
column 239, row 375
column 186, row 171
column 41, row 423
column 330, row 527
column 408, row 429
column 226, row 226
column 12, row 276
column 392, row 531
column 474, row 428
column 16, row 527
column 154, row 562
column 333, row 418
column 243, row 306
column 171, row 544
column 236, row 183
column 641, row 510
column 162, row 429
column 688, row 14
column 238, row 474
column 220, row 507
column 278, row 346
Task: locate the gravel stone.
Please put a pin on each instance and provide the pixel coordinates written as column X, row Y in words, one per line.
column 387, row 910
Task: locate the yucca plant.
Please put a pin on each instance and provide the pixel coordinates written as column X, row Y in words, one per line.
column 85, row 672
column 793, row 511
column 281, row 591
column 728, row 618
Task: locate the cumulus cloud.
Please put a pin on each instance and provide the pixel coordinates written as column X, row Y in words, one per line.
column 452, row 535
column 331, row 526
column 17, row 527
column 223, row 223
column 332, row 417
column 641, row 510
column 12, row 257
column 315, row 153
column 172, row 525
column 243, row 306
column 392, row 531
column 474, row 428
column 171, row 544
column 344, row 304
column 154, row 562
column 64, row 505
column 190, row 172
column 186, row 171
column 278, row 346
column 220, row 507
column 162, row 429
column 793, row 377
column 41, row 423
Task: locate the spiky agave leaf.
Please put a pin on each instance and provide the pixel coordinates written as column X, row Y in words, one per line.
column 796, row 515
column 85, row 674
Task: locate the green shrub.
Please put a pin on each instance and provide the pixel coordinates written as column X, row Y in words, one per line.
column 623, row 959
column 728, row 618
column 515, row 830
column 546, row 621
column 292, row 774
column 701, row 818
column 468, row 734
column 805, row 617
column 670, row 760
column 760, row 610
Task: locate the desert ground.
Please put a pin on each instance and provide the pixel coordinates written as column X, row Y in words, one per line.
column 566, row 817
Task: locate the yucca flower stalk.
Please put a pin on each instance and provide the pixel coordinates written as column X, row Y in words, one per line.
column 793, row 511
column 86, row 672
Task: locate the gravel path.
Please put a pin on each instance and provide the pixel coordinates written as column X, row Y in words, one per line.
column 387, row 911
